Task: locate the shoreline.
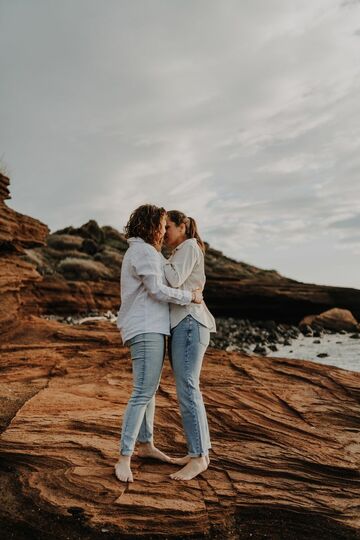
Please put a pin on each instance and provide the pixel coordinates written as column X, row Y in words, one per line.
column 265, row 338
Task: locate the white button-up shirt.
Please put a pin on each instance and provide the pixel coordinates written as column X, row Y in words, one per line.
column 144, row 296
column 185, row 270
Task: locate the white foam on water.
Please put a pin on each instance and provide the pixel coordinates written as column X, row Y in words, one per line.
column 343, row 351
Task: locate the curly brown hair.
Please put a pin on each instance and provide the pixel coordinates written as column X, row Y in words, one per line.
column 144, row 222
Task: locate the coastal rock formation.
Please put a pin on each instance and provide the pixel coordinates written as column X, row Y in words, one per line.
column 285, row 434
column 333, row 319
column 17, row 233
column 81, row 270
column 282, row 301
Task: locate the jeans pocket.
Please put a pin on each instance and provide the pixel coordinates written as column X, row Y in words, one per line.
column 204, row 335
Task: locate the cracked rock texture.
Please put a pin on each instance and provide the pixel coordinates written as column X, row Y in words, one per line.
column 285, row 434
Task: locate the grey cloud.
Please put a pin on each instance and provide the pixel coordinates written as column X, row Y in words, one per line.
column 349, row 3
column 351, row 222
column 249, row 123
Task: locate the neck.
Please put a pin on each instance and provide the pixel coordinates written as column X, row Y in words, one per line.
column 178, row 242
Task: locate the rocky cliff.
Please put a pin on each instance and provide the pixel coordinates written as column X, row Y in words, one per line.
column 285, row 433
column 17, row 233
column 81, row 270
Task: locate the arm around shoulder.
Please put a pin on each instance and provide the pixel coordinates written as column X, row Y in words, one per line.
column 147, row 265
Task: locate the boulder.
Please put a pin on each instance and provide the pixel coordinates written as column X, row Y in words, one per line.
column 74, row 268
column 64, row 241
column 332, row 319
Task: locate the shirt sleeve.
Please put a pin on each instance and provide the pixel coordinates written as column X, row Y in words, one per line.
column 147, row 265
column 179, row 267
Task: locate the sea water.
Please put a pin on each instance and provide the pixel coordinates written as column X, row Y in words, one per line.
column 343, row 351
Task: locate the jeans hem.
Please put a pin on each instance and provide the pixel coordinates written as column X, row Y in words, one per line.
column 126, row 452
column 198, row 454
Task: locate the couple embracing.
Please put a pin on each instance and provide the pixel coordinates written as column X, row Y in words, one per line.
column 163, row 297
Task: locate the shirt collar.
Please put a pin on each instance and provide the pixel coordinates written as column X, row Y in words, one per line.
column 191, row 240
column 135, row 239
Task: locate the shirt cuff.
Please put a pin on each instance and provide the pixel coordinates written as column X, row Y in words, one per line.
column 188, row 296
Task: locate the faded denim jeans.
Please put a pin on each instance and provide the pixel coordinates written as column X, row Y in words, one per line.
column 147, row 354
column 189, row 341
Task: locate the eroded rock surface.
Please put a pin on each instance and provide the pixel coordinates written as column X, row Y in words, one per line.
column 17, row 232
column 285, row 437
column 285, row 433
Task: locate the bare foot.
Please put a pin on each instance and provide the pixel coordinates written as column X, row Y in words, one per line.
column 122, row 469
column 184, row 460
column 148, row 450
column 194, row 467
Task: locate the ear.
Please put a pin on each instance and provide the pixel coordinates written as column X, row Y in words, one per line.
column 182, row 228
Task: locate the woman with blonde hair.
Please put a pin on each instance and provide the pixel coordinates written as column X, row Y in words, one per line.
column 190, row 335
column 144, row 321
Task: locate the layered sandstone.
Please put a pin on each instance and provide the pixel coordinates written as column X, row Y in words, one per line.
column 285, row 434
column 17, row 233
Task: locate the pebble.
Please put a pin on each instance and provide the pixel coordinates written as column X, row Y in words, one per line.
column 233, row 335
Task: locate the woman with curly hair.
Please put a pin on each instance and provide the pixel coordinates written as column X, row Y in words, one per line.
column 190, row 334
column 144, row 321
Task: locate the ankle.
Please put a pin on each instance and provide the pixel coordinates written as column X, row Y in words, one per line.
column 124, row 459
column 147, row 444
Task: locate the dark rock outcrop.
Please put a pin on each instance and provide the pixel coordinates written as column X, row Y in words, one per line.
column 283, row 301
column 86, row 261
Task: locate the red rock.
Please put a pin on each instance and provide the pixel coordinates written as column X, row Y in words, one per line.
column 233, row 288
column 18, row 230
column 333, row 319
column 16, row 233
column 284, row 432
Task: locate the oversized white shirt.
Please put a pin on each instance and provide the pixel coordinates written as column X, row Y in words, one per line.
column 185, row 270
column 144, row 296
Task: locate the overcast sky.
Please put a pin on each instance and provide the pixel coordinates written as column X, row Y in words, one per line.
column 243, row 114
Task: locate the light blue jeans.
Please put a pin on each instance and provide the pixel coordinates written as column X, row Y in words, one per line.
column 147, row 354
column 189, row 341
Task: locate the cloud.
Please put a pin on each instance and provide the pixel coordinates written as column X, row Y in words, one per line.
column 352, row 222
column 350, row 3
column 243, row 115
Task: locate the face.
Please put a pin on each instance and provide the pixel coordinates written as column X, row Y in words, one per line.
column 174, row 235
column 162, row 229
